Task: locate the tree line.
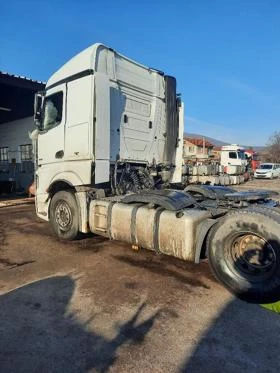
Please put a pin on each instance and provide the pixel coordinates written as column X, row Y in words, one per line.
column 272, row 151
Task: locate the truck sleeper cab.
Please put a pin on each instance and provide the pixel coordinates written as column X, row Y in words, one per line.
column 233, row 160
column 107, row 121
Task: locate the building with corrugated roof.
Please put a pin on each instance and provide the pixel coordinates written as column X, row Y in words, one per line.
column 16, row 121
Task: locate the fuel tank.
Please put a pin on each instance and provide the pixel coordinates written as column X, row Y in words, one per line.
column 172, row 233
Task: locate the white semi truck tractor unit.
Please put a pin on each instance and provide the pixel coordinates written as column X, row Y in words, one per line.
column 108, row 149
column 233, row 160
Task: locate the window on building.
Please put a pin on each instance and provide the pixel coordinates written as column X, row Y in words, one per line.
column 27, row 167
column 53, row 110
column 4, row 154
column 191, row 149
column 26, row 152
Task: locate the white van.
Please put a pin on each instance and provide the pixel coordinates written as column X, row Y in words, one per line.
column 267, row 171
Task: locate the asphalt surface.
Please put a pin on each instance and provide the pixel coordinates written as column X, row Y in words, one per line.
column 97, row 306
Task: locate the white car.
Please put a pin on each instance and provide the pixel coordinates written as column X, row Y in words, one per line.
column 267, row 171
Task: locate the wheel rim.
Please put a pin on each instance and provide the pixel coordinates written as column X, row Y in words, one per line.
column 252, row 256
column 63, row 216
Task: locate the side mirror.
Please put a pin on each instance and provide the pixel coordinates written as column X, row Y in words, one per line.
column 178, row 99
column 38, row 105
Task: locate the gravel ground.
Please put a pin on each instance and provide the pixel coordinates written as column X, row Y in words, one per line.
column 96, row 306
column 261, row 184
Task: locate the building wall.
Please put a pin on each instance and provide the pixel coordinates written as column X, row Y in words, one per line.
column 216, row 154
column 12, row 135
column 191, row 150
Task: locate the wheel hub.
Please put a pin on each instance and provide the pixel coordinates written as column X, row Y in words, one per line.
column 63, row 215
column 252, row 254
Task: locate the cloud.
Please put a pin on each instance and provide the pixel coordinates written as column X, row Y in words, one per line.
column 203, row 123
column 218, row 131
column 234, row 135
column 244, row 88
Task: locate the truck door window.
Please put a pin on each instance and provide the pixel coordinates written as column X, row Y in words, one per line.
column 241, row 155
column 233, row 155
column 53, row 110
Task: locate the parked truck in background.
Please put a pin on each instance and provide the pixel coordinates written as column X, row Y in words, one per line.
column 233, row 160
column 253, row 159
column 108, row 148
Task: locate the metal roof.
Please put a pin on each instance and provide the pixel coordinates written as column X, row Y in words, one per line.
column 17, row 96
column 199, row 142
column 21, row 77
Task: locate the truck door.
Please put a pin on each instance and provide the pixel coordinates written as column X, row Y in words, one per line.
column 51, row 138
column 78, row 137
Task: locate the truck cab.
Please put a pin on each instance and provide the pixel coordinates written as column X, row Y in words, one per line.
column 233, row 160
column 106, row 122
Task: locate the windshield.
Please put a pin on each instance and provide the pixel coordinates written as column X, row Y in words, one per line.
column 265, row 166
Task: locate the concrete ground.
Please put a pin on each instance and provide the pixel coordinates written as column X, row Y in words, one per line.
column 96, row 306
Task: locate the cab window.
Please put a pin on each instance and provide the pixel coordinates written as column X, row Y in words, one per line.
column 233, row 155
column 53, row 107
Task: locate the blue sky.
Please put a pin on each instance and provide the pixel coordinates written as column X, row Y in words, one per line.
column 225, row 54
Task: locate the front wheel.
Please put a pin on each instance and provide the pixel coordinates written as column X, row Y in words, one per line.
column 244, row 254
column 64, row 217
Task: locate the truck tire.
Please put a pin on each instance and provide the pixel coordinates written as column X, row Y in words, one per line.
column 244, row 254
column 269, row 211
column 64, row 217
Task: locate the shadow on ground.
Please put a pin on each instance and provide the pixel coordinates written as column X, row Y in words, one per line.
column 163, row 268
column 37, row 334
column 243, row 338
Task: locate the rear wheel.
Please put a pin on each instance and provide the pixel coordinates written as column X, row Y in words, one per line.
column 64, row 217
column 269, row 211
column 244, row 254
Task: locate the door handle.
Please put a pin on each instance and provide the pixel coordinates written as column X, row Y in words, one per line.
column 59, row 154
